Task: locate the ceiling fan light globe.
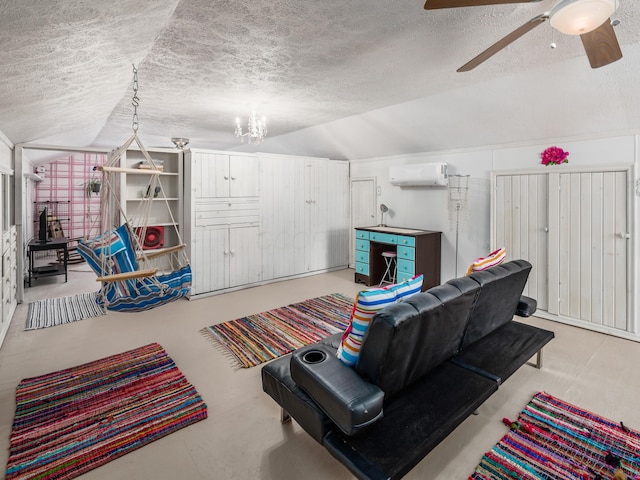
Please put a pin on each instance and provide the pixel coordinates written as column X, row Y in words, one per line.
column 576, row 17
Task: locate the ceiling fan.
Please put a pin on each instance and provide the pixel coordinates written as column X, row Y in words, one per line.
column 587, row 18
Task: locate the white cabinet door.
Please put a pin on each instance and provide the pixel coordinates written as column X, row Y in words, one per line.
column 209, row 259
column 245, row 259
column 219, row 175
column 225, row 257
column 278, row 207
column 209, row 175
column 244, row 174
column 316, row 196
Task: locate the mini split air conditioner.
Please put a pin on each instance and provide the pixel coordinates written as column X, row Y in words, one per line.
column 424, row 174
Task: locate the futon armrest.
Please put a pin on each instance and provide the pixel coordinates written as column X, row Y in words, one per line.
column 526, row 306
column 345, row 397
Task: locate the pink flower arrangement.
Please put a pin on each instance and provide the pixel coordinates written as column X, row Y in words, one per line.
column 554, row 156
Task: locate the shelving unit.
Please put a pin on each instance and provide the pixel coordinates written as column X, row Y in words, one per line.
column 134, row 187
column 57, row 211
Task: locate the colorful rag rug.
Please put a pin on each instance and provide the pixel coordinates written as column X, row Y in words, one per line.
column 264, row 336
column 552, row 439
column 57, row 311
column 74, row 420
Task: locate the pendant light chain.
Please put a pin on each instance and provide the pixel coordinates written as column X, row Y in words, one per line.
column 135, row 101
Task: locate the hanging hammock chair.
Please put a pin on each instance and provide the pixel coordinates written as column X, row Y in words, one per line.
column 134, row 279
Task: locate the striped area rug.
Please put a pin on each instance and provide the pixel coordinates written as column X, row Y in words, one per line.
column 61, row 310
column 74, row 420
column 264, row 336
column 553, row 439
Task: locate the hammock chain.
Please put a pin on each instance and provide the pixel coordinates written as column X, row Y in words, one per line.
column 135, row 100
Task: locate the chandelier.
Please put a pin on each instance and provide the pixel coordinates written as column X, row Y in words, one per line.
column 256, row 128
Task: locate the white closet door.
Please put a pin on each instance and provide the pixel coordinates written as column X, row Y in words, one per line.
column 363, row 209
column 316, row 194
column 592, row 254
column 337, row 209
column 580, row 267
column 278, row 217
column 243, row 175
column 521, row 225
column 209, row 258
column 245, row 259
column 210, row 175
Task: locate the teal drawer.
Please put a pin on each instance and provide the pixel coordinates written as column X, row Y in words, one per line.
column 402, row 276
column 383, row 238
column 362, row 245
column 406, row 266
column 362, row 257
column 408, row 241
column 362, row 234
column 408, row 253
column 362, row 268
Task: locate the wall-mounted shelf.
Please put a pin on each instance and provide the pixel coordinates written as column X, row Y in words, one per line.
column 34, row 177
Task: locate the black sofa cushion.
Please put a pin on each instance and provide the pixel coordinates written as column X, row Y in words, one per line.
column 417, row 420
column 407, row 340
column 347, row 399
column 498, row 300
column 504, row 350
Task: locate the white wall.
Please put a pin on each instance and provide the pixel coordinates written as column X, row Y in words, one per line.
column 426, row 207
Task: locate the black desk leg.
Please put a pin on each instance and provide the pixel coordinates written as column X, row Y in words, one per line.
column 66, row 259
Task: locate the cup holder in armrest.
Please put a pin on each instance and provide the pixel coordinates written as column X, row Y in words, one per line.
column 314, row 356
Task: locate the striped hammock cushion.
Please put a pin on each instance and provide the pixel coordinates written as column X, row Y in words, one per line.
column 494, row 258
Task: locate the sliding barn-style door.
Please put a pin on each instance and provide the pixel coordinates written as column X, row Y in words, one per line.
column 521, row 224
column 574, row 228
column 590, row 227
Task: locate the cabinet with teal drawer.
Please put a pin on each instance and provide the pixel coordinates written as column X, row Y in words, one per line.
column 418, row 252
column 362, row 253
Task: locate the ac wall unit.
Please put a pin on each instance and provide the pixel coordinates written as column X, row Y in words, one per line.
column 424, row 174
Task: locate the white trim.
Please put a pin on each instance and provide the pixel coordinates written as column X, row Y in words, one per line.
column 59, row 148
column 587, row 325
column 6, row 140
column 567, row 169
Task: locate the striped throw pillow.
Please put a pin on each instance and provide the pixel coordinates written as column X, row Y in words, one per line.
column 494, row 258
column 366, row 305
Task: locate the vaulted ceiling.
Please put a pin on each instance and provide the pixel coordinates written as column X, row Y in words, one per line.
column 343, row 79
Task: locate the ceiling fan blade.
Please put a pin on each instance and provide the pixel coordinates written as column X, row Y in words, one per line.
column 436, row 4
column 500, row 44
column 601, row 45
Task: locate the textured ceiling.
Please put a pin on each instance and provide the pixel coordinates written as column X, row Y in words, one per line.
column 66, row 71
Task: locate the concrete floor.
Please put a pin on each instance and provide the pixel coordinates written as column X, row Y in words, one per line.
column 243, row 438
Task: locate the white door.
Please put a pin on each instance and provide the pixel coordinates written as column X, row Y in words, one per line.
column 245, row 259
column 591, row 229
column 243, row 175
column 581, row 269
column 209, row 259
column 277, row 204
column 521, row 222
column 338, row 233
column 363, row 209
column 316, row 206
column 210, row 175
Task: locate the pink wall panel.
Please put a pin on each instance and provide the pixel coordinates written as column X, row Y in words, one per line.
column 64, row 186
